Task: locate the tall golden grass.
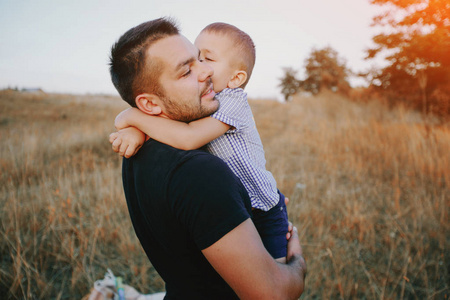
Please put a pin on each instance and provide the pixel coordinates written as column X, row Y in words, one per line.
column 369, row 190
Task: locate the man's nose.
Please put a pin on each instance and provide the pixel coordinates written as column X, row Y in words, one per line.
column 206, row 72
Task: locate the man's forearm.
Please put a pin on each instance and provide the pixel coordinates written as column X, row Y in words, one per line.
column 292, row 278
column 297, row 264
column 250, row 270
column 295, row 269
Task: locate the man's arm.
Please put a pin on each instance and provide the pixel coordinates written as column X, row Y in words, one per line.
column 185, row 136
column 242, row 261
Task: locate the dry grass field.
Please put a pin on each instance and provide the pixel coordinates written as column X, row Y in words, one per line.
column 369, row 190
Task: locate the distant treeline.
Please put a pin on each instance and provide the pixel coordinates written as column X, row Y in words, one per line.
column 415, row 47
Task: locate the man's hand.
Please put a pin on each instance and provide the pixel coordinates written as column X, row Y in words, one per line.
column 295, row 251
column 123, row 118
column 250, row 270
column 127, row 141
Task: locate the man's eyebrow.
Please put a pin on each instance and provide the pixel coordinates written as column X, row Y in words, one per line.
column 185, row 62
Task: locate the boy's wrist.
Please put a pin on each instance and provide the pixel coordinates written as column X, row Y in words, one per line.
column 125, row 119
column 132, row 116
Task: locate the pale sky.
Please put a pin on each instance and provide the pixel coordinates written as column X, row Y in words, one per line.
column 63, row 46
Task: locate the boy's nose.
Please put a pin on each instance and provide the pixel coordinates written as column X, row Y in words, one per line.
column 206, row 72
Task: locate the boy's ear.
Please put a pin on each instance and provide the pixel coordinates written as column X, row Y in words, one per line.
column 149, row 104
column 238, row 79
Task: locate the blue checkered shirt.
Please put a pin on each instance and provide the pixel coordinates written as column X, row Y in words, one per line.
column 241, row 148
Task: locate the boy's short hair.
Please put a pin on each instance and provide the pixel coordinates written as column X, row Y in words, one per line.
column 129, row 59
column 244, row 45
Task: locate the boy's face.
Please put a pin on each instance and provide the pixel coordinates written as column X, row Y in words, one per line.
column 218, row 52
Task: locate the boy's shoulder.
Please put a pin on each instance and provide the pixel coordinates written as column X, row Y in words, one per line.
column 234, row 96
column 234, row 108
column 236, row 91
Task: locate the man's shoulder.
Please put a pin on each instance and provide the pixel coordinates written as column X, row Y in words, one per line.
column 162, row 166
column 154, row 154
column 158, row 150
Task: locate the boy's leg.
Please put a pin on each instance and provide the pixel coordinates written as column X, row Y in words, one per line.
column 272, row 226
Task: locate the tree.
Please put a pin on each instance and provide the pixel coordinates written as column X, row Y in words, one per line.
column 325, row 70
column 417, row 43
column 289, row 83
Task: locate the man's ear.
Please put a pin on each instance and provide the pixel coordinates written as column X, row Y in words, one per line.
column 149, row 104
column 238, row 79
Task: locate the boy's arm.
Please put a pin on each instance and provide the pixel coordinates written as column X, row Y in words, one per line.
column 185, row 136
column 127, row 141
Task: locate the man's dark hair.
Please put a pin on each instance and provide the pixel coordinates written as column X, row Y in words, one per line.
column 128, row 59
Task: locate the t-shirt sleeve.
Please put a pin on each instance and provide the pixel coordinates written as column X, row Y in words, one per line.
column 207, row 199
column 232, row 108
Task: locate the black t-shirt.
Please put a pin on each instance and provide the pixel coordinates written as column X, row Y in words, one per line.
column 181, row 202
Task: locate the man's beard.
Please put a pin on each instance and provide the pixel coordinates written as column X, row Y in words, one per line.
column 187, row 113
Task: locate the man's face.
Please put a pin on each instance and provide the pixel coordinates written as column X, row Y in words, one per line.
column 217, row 50
column 186, row 82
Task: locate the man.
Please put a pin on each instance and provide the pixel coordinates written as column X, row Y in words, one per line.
column 189, row 211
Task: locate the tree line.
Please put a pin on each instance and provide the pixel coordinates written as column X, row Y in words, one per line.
column 416, row 47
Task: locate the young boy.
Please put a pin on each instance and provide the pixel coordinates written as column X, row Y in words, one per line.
column 230, row 133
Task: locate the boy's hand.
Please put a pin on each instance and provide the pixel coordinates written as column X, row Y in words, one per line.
column 123, row 118
column 290, row 229
column 127, row 141
column 290, row 226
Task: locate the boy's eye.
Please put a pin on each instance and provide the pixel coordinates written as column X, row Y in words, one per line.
column 208, row 59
